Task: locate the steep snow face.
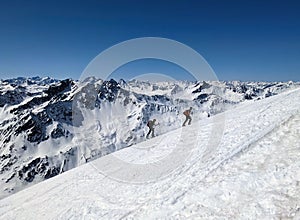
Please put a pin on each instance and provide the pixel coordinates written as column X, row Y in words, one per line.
column 49, row 126
column 250, row 174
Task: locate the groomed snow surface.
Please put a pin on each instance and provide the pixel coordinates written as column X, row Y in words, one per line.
column 241, row 164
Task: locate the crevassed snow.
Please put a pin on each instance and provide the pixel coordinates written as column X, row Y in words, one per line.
column 241, row 164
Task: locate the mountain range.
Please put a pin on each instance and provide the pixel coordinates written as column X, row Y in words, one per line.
column 49, row 126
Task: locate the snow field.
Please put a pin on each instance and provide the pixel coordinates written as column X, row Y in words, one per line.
column 241, row 164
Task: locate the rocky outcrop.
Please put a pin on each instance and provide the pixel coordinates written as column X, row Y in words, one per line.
column 50, row 126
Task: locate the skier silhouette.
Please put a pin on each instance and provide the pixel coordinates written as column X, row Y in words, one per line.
column 187, row 114
column 151, row 125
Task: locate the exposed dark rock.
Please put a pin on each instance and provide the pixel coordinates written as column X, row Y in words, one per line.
column 51, row 172
column 60, row 103
column 204, row 85
column 12, row 97
column 59, row 131
column 63, row 86
column 202, row 97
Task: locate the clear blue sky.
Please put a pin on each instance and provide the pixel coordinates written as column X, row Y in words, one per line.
column 241, row 40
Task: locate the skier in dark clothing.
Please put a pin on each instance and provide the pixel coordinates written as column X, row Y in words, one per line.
column 151, row 125
column 187, row 114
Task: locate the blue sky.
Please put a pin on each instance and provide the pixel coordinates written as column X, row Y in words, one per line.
column 241, row 40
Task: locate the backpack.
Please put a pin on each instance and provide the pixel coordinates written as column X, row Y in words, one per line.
column 186, row 112
column 149, row 123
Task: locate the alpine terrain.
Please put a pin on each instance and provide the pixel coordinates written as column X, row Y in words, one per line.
column 241, row 162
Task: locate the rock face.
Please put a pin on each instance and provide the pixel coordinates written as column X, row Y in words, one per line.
column 49, row 126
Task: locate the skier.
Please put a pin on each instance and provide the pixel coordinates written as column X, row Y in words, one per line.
column 151, row 125
column 187, row 114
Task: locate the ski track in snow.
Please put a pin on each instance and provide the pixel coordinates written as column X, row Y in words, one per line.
column 251, row 172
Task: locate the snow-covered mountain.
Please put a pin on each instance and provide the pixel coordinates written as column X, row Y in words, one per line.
column 49, row 126
column 252, row 172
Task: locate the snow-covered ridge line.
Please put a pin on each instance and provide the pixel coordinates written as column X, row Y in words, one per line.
column 85, row 193
column 39, row 138
column 251, row 141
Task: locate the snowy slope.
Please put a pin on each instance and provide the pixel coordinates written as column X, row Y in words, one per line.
column 43, row 132
column 242, row 164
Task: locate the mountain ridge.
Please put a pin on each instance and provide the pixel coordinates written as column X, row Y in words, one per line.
column 43, row 132
column 256, row 181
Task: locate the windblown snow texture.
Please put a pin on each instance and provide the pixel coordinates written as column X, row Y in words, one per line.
column 252, row 173
column 49, row 126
